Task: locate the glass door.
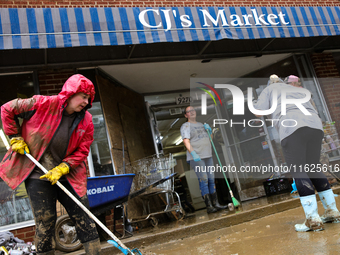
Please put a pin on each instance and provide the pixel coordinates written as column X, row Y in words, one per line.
column 251, row 147
column 100, row 159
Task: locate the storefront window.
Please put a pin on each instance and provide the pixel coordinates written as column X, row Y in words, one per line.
column 15, row 206
column 100, row 150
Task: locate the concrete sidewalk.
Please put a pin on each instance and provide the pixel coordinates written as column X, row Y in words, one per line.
column 201, row 222
column 273, row 234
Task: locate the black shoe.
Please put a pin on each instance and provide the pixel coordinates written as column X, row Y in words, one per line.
column 207, row 200
column 215, row 202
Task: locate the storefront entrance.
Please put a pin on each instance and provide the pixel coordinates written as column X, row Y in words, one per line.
column 240, row 145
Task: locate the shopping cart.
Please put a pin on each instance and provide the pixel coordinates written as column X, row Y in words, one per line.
column 150, row 170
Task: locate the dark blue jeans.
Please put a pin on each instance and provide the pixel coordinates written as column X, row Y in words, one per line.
column 205, row 177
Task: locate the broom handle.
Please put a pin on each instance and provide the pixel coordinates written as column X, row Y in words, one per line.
column 219, row 161
column 79, row 203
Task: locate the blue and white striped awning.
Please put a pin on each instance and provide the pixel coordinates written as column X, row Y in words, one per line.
column 37, row 28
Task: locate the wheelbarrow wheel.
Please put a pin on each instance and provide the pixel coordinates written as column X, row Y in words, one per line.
column 65, row 235
column 153, row 221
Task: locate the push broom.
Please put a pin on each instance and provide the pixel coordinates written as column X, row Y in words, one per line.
column 115, row 242
column 235, row 202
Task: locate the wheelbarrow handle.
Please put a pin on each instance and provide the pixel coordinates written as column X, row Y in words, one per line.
column 80, row 204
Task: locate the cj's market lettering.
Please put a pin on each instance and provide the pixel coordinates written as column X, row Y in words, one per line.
column 249, row 19
column 100, row 190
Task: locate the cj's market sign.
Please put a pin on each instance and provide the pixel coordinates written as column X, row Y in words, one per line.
column 168, row 16
column 40, row 28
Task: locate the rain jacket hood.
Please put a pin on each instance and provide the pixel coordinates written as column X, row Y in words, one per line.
column 75, row 84
column 42, row 116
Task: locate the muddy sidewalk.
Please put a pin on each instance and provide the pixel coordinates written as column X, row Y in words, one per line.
column 226, row 228
column 272, row 234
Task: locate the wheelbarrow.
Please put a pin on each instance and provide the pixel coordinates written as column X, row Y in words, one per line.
column 104, row 193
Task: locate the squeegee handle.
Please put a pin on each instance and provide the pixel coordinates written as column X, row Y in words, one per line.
column 79, row 203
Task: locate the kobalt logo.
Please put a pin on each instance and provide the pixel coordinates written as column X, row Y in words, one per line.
column 100, row 190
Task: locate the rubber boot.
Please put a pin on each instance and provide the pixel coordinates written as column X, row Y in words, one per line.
column 331, row 213
column 92, row 247
column 215, row 202
column 207, row 200
column 313, row 220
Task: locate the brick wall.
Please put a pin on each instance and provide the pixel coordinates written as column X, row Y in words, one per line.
column 51, row 81
column 26, row 234
column 329, row 79
column 149, row 3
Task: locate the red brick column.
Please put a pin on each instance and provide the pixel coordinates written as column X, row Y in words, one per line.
column 329, row 79
column 26, row 234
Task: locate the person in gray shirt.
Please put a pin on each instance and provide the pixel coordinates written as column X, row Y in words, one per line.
column 197, row 142
column 301, row 138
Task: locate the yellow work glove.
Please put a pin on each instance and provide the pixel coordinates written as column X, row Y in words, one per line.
column 54, row 175
column 18, row 145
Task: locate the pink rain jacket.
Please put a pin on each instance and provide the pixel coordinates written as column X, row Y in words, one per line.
column 41, row 118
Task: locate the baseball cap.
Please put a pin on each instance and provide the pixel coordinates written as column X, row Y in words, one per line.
column 293, row 78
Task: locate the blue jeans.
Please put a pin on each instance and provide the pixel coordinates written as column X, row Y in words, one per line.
column 205, row 177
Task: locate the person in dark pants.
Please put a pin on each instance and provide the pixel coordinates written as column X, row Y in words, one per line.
column 301, row 139
column 57, row 131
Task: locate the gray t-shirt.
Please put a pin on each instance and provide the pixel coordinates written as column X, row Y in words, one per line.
column 199, row 139
column 265, row 102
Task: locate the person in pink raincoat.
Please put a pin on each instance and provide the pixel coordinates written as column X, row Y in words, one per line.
column 57, row 131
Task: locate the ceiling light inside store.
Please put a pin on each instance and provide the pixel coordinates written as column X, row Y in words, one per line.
column 179, row 140
column 193, row 75
column 174, row 122
column 287, row 63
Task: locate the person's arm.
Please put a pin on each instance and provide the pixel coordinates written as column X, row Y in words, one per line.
column 12, row 110
column 187, row 144
column 73, row 159
column 263, row 102
column 10, row 113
